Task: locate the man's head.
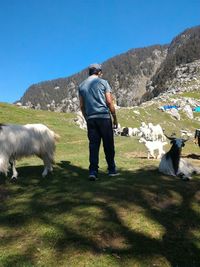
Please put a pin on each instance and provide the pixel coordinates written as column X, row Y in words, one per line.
column 95, row 69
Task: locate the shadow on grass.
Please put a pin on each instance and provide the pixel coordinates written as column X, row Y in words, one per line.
column 102, row 217
column 193, row 156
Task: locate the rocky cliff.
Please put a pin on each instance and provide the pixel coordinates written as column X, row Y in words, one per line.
column 177, row 66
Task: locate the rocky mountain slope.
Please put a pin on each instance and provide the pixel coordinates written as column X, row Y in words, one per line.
column 178, row 67
column 135, row 76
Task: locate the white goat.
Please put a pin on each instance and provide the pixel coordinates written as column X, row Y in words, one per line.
column 132, row 131
column 144, row 131
column 156, row 132
column 153, row 146
column 135, row 131
column 80, row 121
column 17, row 141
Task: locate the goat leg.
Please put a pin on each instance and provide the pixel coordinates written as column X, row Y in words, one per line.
column 14, row 171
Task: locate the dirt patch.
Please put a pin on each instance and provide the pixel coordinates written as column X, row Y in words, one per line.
column 136, row 154
column 108, row 241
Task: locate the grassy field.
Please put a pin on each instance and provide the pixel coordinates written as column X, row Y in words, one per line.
column 139, row 218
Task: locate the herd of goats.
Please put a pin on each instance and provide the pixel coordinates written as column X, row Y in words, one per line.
column 17, row 141
column 154, row 140
column 151, row 135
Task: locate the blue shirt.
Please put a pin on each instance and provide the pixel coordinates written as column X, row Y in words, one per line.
column 93, row 91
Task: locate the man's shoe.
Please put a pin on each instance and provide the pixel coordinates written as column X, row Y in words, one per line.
column 113, row 173
column 93, row 176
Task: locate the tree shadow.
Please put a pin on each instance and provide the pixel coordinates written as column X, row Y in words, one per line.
column 165, row 202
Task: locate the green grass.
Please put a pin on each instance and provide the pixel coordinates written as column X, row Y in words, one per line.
column 192, row 94
column 139, row 218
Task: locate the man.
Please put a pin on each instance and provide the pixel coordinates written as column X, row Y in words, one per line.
column 96, row 104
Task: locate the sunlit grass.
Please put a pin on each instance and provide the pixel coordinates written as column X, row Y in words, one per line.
column 192, row 94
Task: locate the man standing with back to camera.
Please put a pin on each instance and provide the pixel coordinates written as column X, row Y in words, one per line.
column 96, row 104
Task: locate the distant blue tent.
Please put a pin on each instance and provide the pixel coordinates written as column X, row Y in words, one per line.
column 197, row 109
column 165, row 107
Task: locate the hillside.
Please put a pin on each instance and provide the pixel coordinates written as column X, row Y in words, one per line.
column 139, row 218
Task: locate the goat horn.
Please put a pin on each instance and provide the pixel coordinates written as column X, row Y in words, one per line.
column 170, row 137
column 184, row 140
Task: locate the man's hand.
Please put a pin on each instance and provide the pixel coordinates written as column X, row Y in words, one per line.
column 115, row 123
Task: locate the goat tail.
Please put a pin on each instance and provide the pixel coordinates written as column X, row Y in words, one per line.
column 56, row 137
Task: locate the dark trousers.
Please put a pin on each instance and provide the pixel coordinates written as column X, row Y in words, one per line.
column 100, row 129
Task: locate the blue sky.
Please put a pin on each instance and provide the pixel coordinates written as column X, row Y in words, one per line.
column 47, row 39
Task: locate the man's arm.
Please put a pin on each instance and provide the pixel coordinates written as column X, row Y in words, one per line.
column 82, row 107
column 109, row 102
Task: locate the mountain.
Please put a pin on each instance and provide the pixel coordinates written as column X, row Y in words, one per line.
column 135, row 76
column 127, row 73
column 182, row 52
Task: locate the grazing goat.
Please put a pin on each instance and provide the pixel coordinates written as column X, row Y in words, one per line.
column 132, row 131
column 152, row 146
column 17, row 141
column 124, row 131
column 117, row 131
column 172, row 163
